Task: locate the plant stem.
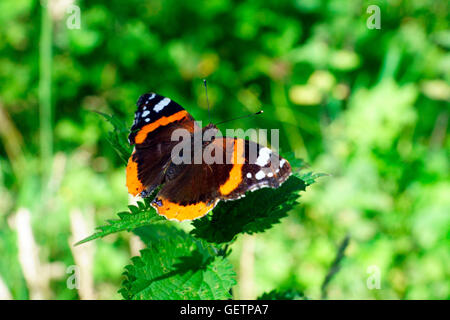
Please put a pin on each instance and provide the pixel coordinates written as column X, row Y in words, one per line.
column 45, row 86
column 335, row 266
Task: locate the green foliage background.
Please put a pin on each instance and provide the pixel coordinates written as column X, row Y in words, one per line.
column 369, row 107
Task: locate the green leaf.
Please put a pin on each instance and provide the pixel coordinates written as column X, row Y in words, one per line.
column 118, row 137
column 283, row 295
column 138, row 216
column 256, row 212
column 177, row 266
column 156, row 232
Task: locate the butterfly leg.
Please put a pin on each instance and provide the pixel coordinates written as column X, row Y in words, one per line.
column 147, row 192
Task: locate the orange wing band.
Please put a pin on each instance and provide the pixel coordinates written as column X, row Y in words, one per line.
column 175, row 211
column 164, row 121
column 134, row 186
column 235, row 176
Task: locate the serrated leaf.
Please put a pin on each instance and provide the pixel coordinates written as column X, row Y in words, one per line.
column 177, row 267
column 138, row 216
column 118, row 136
column 157, row 232
column 256, row 212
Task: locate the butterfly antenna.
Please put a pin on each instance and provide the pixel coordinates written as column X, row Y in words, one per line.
column 242, row 117
column 207, row 100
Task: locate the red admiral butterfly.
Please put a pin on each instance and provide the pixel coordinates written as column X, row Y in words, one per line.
column 190, row 191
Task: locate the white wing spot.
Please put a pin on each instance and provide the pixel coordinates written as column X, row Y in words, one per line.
column 264, row 156
column 282, row 162
column 160, row 105
column 249, row 175
column 270, row 174
column 147, row 119
column 259, row 175
column 146, row 113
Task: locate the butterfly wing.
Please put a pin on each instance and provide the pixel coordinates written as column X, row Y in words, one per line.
column 154, row 122
column 196, row 190
column 256, row 167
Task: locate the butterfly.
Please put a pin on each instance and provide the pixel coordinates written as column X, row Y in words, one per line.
column 190, row 190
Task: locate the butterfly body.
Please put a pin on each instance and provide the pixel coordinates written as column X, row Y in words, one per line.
column 191, row 189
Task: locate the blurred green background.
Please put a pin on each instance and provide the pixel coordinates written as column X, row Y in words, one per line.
column 370, row 107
